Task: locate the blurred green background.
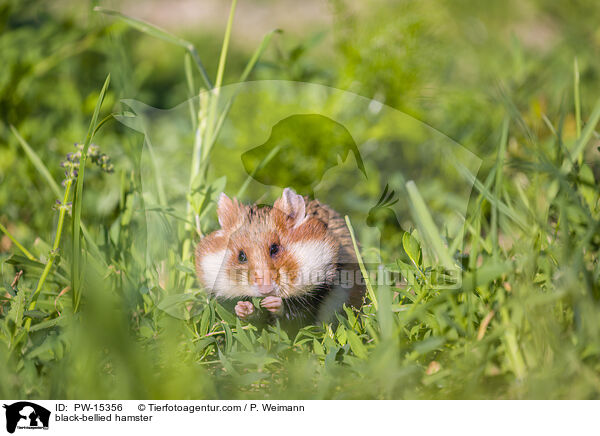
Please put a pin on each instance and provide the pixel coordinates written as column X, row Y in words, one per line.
column 515, row 82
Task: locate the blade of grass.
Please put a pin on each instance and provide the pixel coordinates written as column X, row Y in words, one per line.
column 196, row 167
column 101, row 123
column 425, row 222
column 577, row 98
column 586, row 135
column 200, row 165
column 512, row 345
column 206, row 133
column 498, row 185
column 158, row 180
column 484, row 190
column 189, row 78
column 37, row 162
column 157, row 32
column 92, row 244
column 43, row 169
column 225, row 47
column 78, row 200
column 549, row 125
column 14, row 241
column 260, row 166
column 361, row 264
column 247, row 70
column 257, row 54
column 210, row 132
column 516, row 116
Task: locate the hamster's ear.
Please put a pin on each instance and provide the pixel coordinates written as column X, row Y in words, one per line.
column 230, row 212
column 292, row 205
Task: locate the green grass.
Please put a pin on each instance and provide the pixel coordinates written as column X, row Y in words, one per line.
column 90, row 318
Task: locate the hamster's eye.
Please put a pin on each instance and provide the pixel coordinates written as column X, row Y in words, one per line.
column 242, row 257
column 274, row 249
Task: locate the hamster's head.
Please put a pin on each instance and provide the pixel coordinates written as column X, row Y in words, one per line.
column 262, row 251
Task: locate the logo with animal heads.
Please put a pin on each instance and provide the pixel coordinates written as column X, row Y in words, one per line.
column 26, row 415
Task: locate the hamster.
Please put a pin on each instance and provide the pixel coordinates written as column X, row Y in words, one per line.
column 296, row 255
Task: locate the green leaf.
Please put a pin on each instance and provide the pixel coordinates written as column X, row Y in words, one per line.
column 175, row 305
column 48, row 324
column 350, row 315
column 203, row 343
column 17, row 309
column 184, row 268
column 242, row 336
column 202, row 195
column 358, row 348
column 17, row 259
column 205, row 322
column 36, row 314
column 412, row 248
column 146, row 331
column 228, row 337
column 341, row 335
column 225, row 315
column 318, row 348
column 47, row 350
column 227, row 364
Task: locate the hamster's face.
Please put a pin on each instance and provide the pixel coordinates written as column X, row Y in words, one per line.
column 265, row 251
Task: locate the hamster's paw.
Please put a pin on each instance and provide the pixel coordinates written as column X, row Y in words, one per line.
column 273, row 304
column 243, row 309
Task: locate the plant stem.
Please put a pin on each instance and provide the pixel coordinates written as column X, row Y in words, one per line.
column 195, row 170
column 498, row 185
column 363, row 270
column 14, row 241
column 53, row 253
column 577, row 98
column 206, row 130
column 214, row 96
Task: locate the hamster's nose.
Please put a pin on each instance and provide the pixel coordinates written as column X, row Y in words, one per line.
column 264, row 281
column 265, row 289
